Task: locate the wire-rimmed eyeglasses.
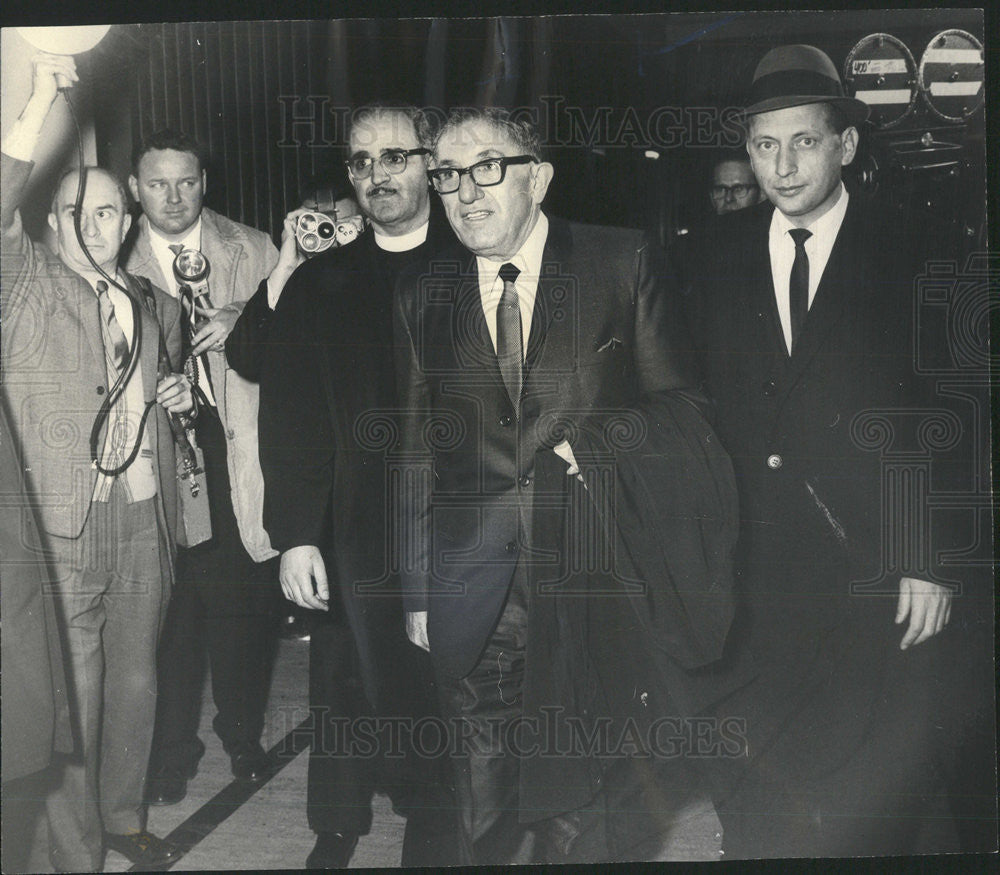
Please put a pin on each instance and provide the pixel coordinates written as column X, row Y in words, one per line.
column 391, row 161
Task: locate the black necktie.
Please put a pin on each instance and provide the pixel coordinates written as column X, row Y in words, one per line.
column 798, row 284
column 510, row 350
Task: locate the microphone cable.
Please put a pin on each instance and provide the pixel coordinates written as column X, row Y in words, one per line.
column 115, row 391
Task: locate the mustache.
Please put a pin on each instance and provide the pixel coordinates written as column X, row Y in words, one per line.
column 381, row 189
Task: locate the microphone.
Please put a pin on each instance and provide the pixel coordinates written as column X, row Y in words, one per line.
column 191, row 269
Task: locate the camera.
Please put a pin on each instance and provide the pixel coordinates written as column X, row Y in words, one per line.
column 317, row 232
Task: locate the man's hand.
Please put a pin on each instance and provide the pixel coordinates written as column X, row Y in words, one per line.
column 173, row 393
column 928, row 606
column 289, row 258
column 416, row 629
column 45, row 72
column 213, row 333
column 23, row 135
column 300, row 566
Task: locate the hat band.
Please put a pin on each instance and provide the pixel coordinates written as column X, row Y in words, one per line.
column 794, row 83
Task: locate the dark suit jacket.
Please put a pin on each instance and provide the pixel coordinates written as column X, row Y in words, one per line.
column 55, row 376
column 486, row 491
column 328, row 421
column 804, row 433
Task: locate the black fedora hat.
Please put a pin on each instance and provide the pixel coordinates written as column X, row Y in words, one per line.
column 796, row 76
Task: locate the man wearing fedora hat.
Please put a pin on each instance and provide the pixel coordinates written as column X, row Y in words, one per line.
column 804, row 325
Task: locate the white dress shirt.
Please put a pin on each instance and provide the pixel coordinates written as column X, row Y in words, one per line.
column 528, row 259
column 818, row 248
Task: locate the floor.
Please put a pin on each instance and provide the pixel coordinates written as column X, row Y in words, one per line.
column 229, row 826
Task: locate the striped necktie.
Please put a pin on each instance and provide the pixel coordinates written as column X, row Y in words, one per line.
column 115, row 344
column 510, row 348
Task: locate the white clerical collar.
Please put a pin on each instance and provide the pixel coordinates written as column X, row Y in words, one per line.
column 404, row 242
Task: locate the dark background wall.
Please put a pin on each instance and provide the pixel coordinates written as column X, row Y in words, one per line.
column 631, row 105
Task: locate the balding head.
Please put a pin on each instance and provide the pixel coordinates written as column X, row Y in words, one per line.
column 104, row 219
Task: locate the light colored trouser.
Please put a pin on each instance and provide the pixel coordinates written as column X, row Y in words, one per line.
column 112, row 592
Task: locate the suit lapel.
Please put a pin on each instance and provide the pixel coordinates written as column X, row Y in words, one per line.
column 469, row 331
column 143, row 262
column 551, row 295
column 149, row 355
column 757, row 257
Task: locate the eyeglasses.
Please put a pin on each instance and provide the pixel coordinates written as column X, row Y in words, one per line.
column 737, row 191
column 492, row 171
column 391, row 161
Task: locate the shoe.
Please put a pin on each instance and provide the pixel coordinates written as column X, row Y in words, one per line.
column 143, row 849
column 333, row 850
column 249, row 763
column 166, row 786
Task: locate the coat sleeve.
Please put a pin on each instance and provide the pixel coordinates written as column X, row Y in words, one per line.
column 247, row 341
column 295, row 433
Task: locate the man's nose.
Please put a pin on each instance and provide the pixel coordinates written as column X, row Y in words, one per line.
column 88, row 226
column 173, row 194
column 468, row 191
column 380, row 175
column 730, row 195
column 786, row 164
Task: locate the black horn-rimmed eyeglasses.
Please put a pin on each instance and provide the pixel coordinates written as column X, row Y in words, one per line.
column 447, row 180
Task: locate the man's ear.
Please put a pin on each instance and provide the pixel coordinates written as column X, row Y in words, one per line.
column 849, row 145
column 133, row 186
column 540, row 180
column 53, row 222
column 204, row 181
column 126, row 224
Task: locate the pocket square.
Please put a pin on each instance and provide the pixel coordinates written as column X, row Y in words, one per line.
column 609, row 345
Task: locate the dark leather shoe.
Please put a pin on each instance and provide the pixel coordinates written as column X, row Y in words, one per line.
column 165, row 790
column 333, row 850
column 143, row 849
column 249, row 763
column 167, row 785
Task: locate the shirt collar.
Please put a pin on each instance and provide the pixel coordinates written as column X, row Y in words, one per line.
column 527, row 259
column 404, row 242
column 827, row 224
column 191, row 240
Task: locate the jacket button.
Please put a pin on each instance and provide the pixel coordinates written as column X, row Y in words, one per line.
column 511, row 546
column 504, row 421
column 769, row 388
column 524, row 480
column 230, row 433
column 774, row 461
column 100, row 390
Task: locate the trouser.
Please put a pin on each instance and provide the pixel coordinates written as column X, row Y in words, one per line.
column 341, row 782
column 345, row 767
column 112, row 592
column 484, row 708
column 224, row 605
